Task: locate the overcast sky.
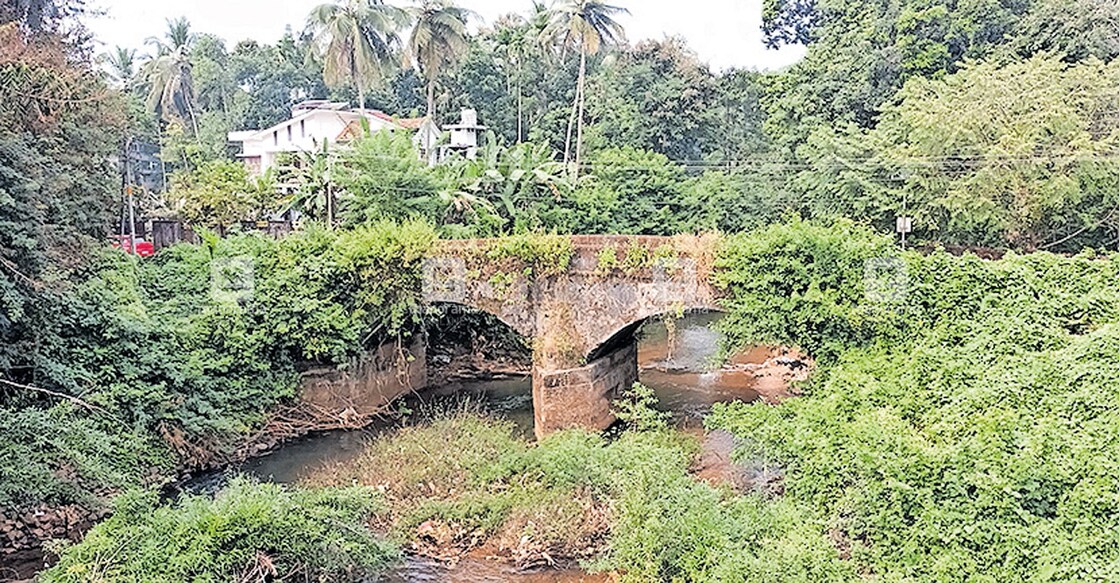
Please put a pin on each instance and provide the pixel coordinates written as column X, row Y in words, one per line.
column 725, row 33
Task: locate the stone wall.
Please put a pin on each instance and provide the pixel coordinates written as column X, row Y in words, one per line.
column 22, row 534
column 369, row 383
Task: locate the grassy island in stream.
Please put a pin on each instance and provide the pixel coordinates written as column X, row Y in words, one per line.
column 465, row 482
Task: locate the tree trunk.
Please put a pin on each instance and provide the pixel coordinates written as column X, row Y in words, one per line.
column 357, row 83
column 124, row 178
column 162, row 162
column 431, row 97
column 520, row 100
column 193, row 120
column 582, row 95
column 131, row 220
column 574, row 108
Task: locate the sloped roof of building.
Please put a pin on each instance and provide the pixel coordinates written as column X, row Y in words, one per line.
column 351, row 132
column 309, row 108
column 408, row 123
column 353, row 128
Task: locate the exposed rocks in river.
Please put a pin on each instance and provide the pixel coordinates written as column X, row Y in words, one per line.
column 22, row 535
column 776, row 370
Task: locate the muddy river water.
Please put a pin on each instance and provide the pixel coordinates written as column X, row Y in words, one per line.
column 677, row 366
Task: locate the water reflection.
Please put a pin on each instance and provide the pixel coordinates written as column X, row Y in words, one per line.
column 684, row 370
column 424, row 570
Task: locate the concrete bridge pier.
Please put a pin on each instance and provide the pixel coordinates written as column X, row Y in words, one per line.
column 582, row 396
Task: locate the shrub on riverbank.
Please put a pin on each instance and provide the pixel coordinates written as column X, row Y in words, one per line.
column 248, row 532
column 463, row 482
column 178, row 355
column 966, row 430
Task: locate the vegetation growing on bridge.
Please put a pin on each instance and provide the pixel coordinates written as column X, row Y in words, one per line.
column 962, row 428
column 504, row 260
column 630, row 256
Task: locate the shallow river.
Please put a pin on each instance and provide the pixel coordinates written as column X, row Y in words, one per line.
column 677, row 367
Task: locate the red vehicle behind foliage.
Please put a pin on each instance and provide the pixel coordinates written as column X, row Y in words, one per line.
column 143, row 248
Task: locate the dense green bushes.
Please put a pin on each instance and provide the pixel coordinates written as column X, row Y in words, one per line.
column 208, row 336
column 970, row 435
column 802, row 283
column 61, row 454
column 248, row 532
column 196, row 344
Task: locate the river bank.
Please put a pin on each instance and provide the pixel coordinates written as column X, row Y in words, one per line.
column 678, row 366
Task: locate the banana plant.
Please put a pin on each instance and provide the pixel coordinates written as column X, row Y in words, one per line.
column 313, row 196
column 515, row 181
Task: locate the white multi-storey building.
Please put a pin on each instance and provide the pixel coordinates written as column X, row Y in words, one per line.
column 312, row 124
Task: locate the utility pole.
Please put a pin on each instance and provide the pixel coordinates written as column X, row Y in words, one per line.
column 131, row 203
column 904, row 222
column 131, row 222
column 123, row 192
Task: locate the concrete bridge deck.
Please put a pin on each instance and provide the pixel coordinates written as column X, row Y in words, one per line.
column 580, row 301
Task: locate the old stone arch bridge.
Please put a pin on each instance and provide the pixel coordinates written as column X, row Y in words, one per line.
column 581, row 314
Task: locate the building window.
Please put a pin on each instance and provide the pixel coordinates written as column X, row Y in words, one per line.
column 303, row 128
column 289, row 132
column 276, row 138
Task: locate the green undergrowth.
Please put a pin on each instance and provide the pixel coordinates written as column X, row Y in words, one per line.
column 174, row 359
column 627, row 504
column 637, row 257
column 248, row 532
column 62, row 454
column 963, row 426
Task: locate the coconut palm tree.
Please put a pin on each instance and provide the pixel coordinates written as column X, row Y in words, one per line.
column 121, row 64
column 438, row 40
column 589, row 25
column 169, row 74
column 171, row 87
column 512, row 42
column 177, row 37
column 356, row 40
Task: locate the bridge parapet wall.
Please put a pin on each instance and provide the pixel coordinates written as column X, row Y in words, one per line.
column 578, row 299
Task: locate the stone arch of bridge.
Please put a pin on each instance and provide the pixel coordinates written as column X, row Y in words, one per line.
column 618, row 336
column 467, row 309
